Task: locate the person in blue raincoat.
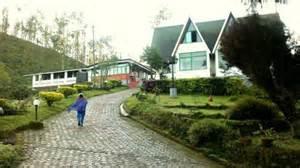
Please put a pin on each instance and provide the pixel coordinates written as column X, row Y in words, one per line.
column 79, row 106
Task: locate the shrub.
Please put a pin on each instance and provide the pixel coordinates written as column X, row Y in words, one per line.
column 66, row 91
column 8, row 155
column 210, row 131
column 36, row 125
column 51, row 97
column 7, row 107
column 81, row 87
column 250, row 108
column 206, row 86
column 115, row 83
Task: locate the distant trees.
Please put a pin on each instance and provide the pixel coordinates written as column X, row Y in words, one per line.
column 162, row 15
column 252, row 5
column 67, row 34
column 4, row 23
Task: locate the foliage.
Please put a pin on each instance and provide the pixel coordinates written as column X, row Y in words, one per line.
column 7, row 107
column 206, row 86
column 112, row 84
column 19, row 90
column 51, row 97
column 8, row 155
column 67, row 91
column 5, row 80
column 250, row 108
column 152, row 57
column 81, row 87
column 35, row 125
column 261, row 48
column 210, row 131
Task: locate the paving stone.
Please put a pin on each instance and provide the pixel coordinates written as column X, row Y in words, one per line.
column 105, row 140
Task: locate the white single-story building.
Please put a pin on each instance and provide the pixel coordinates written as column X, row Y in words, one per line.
column 128, row 71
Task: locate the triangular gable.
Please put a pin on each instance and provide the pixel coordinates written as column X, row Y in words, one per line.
column 229, row 21
column 183, row 32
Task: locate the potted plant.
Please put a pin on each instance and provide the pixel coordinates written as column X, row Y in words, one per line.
column 268, row 136
column 245, row 141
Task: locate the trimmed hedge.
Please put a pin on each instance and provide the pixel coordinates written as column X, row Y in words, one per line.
column 81, row 87
column 7, row 107
column 51, row 97
column 110, row 84
column 67, row 91
column 206, row 86
column 250, row 108
column 211, row 131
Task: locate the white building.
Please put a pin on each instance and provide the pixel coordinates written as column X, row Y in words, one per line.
column 195, row 47
column 128, row 71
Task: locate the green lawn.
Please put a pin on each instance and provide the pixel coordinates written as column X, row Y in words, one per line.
column 194, row 100
column 13, row 122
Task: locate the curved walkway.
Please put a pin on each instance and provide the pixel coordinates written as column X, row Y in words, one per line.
column 106, row 140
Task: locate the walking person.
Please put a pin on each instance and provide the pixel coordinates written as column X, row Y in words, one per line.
column 79, row 106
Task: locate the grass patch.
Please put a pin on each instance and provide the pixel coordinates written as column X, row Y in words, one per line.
column 194, row 100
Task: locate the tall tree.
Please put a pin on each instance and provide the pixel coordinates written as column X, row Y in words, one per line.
column 60, row 38
column 261, row 49
column 152, row 57
column 5, row 23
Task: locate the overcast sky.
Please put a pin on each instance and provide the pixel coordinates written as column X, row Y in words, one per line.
column 129, row 21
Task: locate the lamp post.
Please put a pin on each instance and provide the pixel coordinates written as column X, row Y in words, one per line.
column 36, row 104
column 173, row 89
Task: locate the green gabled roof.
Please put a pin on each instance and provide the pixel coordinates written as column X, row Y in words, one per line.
column 210, row 31
column 165, row 38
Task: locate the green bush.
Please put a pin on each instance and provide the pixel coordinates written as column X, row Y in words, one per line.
column 115, row 83
column 176, row 125
column 7, row 107
column 250, row 108
column 81, row 87
column 110, row 84
column 8, row 155
column 206, row 86
column 211, row 131
column 51, row 97
column 67, row 91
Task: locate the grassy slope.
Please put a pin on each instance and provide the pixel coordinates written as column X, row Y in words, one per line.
column 23, row 57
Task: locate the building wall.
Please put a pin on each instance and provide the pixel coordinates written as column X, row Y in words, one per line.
column 191, row 47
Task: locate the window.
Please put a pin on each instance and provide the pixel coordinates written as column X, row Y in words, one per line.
column 221, row 61
column 192, row 61
column 59, row 75
column 72, row 74
column 190, row 37
column 46, row 76
column 37, row 78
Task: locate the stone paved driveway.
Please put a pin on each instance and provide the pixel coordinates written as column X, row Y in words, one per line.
column 106, row 140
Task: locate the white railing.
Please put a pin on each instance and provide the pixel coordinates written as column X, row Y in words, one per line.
column 54, row 82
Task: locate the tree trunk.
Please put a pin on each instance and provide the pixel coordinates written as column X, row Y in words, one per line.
column 287, row 104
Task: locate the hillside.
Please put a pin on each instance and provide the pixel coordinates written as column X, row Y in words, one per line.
column 22, row 57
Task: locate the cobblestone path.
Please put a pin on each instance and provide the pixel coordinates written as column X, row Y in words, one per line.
column 106, row 140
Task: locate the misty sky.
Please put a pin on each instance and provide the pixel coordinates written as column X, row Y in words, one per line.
column 129, row 21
